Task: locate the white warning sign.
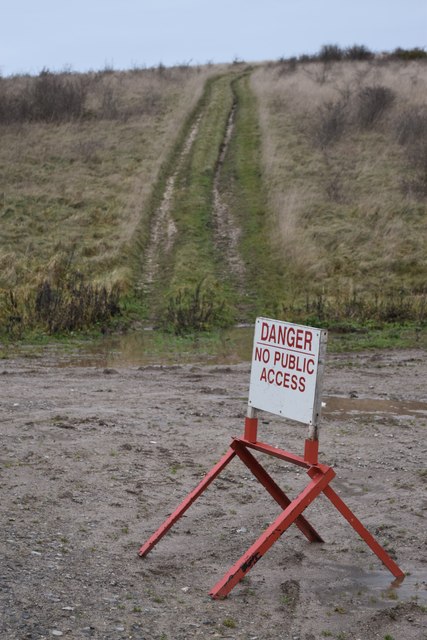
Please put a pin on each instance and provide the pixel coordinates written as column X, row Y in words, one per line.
column 286, row 362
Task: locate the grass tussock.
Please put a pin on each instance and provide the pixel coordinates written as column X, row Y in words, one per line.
column 344, row 149
column 194, row 309
column 64, row 301
column 73, row 304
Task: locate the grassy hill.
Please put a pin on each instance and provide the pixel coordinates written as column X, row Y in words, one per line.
column 345, row 160
column 195, row 197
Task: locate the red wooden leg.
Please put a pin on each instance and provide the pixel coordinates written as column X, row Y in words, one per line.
column 363, row 533
column 185, row 504
column 274, row 490
column 270, row 535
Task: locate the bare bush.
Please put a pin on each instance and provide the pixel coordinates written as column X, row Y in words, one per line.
column 55, row 98
column 372, row 103
column 334, row 53
column 65, row 97
column 358, row 52
column 72, row 304
column 47, row 98
column 109, row 104
column 13, row 106
column 287, row 66
column 409, row 54
column 331, row 122
column 330, row 53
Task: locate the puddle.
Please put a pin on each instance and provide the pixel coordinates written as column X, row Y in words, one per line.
column 379, row 586
column 150, row 347
column 232, row 346
column 342, row 407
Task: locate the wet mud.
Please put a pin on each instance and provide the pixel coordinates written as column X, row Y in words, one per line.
column 93, row 458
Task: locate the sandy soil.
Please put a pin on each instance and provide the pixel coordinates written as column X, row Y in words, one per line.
column 92, row 460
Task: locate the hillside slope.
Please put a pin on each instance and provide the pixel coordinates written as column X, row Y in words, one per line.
column 345, row 158
column 202, row 196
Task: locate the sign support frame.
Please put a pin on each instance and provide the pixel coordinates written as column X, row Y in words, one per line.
column 320, row 476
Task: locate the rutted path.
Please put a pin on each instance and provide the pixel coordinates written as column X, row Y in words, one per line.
column 163, row 227
column 195, row 236
column 226, row 231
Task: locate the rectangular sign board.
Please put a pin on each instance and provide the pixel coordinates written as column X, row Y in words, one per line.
column 287, row 367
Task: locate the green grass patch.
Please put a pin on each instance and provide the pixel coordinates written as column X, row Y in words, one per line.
column 242, row 182
column 194, row 255
column 393, row 336
column 199, row 308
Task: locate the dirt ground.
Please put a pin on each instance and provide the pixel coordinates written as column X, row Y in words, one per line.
column 93, row 459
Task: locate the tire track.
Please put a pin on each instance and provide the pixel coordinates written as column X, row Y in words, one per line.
column 219, row 255
column 226, row 232
column 163, row 227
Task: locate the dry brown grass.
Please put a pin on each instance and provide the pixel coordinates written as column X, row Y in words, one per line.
column 81, row 186
column 349, row 204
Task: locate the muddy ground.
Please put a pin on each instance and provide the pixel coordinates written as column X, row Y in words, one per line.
column 93, row 459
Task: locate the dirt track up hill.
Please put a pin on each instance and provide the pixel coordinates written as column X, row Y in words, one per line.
column 196, row 227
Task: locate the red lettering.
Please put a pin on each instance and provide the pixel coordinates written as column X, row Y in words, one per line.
column 266, row 356
column 264, row 331
column 287, row 336
column 281, row 337
column 307, row 341
column 283, row 379
column 272, row 336
column 262, row 355
column 310, row 367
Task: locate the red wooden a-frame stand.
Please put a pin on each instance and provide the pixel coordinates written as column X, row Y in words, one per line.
column 320, row 476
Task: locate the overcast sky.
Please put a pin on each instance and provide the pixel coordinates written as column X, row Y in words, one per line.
column 93, row 34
